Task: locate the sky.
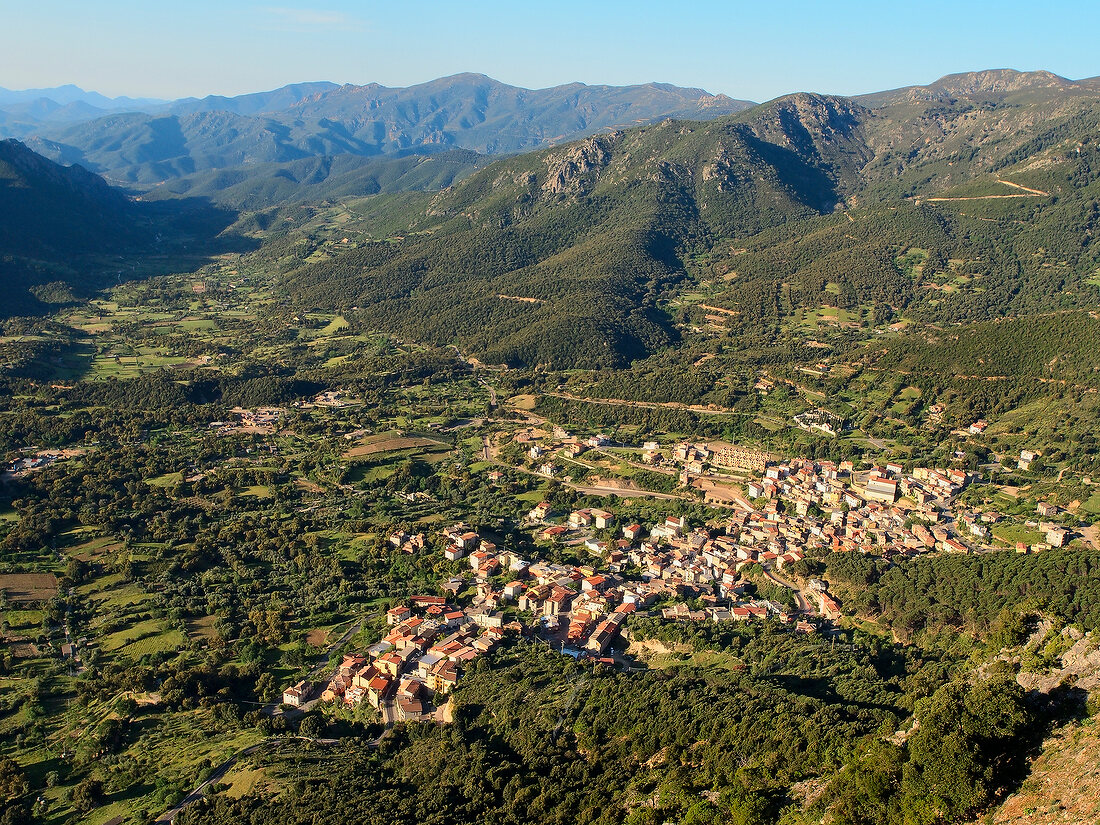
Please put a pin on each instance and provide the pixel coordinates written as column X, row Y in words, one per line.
column 752, row 50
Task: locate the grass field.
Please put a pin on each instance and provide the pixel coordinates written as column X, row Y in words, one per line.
column 1091, row 505
column 23, row 620
column 166, row 480
column 203, row 628
column 148, row 636
column 1012, row 533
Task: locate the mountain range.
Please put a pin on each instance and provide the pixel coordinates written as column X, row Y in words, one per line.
column 148, row 145
column 964, row 200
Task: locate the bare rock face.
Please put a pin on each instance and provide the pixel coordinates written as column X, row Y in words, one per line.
column 723, row 169
column 567, row 171
column 1079, row 666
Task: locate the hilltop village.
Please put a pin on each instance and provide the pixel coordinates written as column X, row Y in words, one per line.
column 673, row 569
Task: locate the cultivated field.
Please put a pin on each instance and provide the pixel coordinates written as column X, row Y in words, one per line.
column 28, row 587
column 390, row 443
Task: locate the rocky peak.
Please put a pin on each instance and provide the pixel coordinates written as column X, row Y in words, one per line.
column 567, row 168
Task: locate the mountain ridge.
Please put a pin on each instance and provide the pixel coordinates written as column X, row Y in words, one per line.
column 466, row 111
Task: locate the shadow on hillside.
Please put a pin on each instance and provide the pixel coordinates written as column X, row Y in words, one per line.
column 177, row 235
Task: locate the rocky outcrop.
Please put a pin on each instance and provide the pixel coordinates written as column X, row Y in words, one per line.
column 569, row 171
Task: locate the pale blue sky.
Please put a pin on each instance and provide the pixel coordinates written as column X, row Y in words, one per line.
column 755, row 50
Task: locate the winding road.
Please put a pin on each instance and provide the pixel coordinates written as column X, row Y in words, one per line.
column 803, row 602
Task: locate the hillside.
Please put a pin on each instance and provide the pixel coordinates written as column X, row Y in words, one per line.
column 152, row 144
column 568, row 256
column 46, row 207
column 1063, row 785
column 64, row 232
column 560, row 257
column 321, row 178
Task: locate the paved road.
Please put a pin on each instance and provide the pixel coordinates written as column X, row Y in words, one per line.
column 623, row 493
column 803, row 602
column 220, row 771
column 662, row 405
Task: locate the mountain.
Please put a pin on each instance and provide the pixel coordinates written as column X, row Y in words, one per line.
column 559, row 257
column 992, row 84
column 322, row 178
column 957, row 210
column 64, row 95
column 46, row 208
column 470, row 112
column 253, row 104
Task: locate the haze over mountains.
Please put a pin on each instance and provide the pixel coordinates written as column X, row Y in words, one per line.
column 151, row 144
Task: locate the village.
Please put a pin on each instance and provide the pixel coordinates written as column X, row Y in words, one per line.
column 671, row 570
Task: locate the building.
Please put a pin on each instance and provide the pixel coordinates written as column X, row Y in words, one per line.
column 1057, row 536
column 297, row 695
column 881, row 489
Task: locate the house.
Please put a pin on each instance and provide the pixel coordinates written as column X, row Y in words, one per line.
column 540, row 511
column 596, row 583
column 409, row 709
column 297, row 695
column 1046, row 509
column 453, row 553
column 443, row 677
column 390, row 663
column 558, row 602
column 513, row 589
column 581, row 518
column 632, row 531
column 978, row 427
column 379, row 689
column 397, row 615
column 603, row 519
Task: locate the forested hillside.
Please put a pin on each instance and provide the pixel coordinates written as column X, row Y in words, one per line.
column 64, row 233
column 949, row 206
column 560, row 257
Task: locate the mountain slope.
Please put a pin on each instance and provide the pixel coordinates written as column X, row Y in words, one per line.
column 564, row 257
column 559, row 257
column 321, row 178
column 46, row 208
column 65, row 232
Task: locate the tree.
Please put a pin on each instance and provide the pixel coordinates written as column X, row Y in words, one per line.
column 312, row 726
column 88, row 794
column 13, row 782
